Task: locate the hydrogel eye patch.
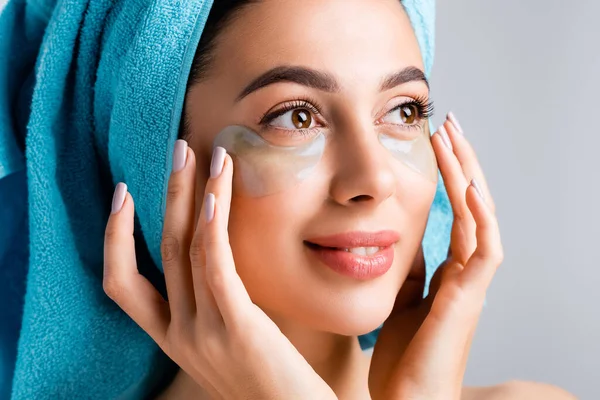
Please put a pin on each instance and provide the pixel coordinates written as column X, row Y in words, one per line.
column 262, row 168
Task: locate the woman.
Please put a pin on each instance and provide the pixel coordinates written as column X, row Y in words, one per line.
column 268, row 291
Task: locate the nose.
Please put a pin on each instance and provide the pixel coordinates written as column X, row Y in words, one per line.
column 362, row 172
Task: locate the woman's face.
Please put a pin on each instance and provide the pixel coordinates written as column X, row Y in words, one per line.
column 359, row 44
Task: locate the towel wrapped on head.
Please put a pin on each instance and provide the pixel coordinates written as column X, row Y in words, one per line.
column 91, row 94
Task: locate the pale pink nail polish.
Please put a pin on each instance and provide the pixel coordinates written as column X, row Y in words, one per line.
column 118, row 197
column 477, row 188
column 452, row 118
column 179, row 155
column 209, row 207
column 445, row 137
column 216, row 165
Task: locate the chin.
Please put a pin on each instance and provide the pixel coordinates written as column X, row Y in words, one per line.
column 312, row 296
column 352, row 314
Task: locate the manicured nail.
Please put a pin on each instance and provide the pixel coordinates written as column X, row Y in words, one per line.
column 452, row 118
column 209, row 207
column 179, row 155
column 477, row 188
column 216, row 165
column 445, row 137
column 118, row 197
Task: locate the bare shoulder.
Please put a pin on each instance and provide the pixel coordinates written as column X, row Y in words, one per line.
column 517, row 390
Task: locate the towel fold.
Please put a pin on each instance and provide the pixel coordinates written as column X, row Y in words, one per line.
column 91, row 94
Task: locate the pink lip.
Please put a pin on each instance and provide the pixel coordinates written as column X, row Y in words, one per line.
column 330, row 251
column 357, row 239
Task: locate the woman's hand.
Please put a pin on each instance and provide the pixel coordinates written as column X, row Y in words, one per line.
column 422, row 349
column 209, row 326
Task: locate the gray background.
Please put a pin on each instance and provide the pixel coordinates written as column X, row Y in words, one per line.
column 523, row 79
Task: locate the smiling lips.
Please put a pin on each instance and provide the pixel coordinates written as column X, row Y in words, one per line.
column 359, row 255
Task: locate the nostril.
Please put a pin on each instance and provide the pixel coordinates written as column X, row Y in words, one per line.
column 362, row 197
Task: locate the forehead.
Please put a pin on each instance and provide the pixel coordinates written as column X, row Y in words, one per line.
column 352, row 39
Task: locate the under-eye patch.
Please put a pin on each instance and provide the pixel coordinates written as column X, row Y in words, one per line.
column 263, row 167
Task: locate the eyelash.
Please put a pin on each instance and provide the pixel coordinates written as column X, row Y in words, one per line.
column 424, row 107
column 308, row 103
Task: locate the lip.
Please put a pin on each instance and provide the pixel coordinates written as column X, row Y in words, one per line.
column 330, row 251
column 357, row 239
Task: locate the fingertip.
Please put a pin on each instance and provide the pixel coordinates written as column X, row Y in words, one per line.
column 209, row 207
column 128, row 204
column 474, row 194
column 478, row 206
column 119, row 196
column 215, row 227
column 226, row 184
column 443, row 142
column 437, row 141
column 228, row 163
column 477, row 187
column 120, row 221
column 191, row 156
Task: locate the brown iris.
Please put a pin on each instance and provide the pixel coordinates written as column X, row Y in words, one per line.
column 301, row 119
column 408, row 113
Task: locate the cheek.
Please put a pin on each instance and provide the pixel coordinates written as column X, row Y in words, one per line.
column 265, row 235
column 414, row 197
column 260, row 228
column 266, row 238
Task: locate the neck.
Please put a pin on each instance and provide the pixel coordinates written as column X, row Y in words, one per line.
column 337, row 359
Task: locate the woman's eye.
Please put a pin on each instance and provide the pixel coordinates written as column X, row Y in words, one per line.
column 407, row 114
column 299, row 118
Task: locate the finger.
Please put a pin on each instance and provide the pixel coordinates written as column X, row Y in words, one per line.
column 411, row 292
column 467, row 158
column 463, row 240
column 446, row 271
column 122, row 282
column 227, row 287
column 207, row 310
column 436, row 354
column 433, row 358
column 177, row 233
column 488, row 255
column 454, row 178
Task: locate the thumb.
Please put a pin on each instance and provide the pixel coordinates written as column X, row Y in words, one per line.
column 411, row 292
column 441, row 274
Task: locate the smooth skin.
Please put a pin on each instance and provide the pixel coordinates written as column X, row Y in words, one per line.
column 231, row 348
column 356, row 190
column 209, row 327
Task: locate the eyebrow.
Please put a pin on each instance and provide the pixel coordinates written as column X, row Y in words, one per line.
column 323, row 81
column 408, row 74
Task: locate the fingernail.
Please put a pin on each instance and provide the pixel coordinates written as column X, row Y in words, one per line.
column 118, row 197
column 209, row 207
column 452, row 118
column 179, row 155
column 216, row 165
column 445, row 137
column 477, row 188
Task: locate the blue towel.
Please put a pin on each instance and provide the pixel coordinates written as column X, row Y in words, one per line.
column 91, row 93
